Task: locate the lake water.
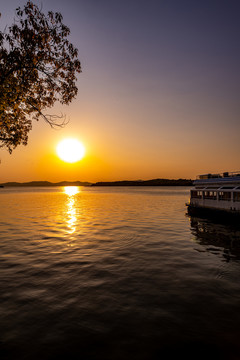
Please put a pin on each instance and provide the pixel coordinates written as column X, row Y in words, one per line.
column 115, row 273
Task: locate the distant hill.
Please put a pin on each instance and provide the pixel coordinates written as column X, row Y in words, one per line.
column 48, row 183
column 153, row 182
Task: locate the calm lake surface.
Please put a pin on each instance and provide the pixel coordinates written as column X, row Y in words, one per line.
column 115, row 273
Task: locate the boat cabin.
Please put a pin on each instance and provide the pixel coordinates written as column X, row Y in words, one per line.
column 217, row 191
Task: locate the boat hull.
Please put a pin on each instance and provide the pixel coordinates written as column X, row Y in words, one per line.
column 223, row 215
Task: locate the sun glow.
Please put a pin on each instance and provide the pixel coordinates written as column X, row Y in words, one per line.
column 70, row 150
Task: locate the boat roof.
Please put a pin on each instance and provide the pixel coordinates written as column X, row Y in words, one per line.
column 221, row 178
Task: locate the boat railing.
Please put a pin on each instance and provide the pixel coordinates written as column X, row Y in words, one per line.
column 220, row 175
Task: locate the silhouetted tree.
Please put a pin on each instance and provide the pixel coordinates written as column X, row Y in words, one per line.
column 38, row 66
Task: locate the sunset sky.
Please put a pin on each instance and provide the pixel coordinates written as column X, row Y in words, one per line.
column 158, row 93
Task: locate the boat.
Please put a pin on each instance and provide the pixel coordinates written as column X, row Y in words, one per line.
column 216, row 195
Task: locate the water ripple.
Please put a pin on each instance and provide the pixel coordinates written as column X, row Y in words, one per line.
column 115, row 273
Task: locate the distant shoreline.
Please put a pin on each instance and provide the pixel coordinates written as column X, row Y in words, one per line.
column 45, row 183
column 153, row 182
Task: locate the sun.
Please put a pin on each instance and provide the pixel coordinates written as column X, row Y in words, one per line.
column 70, row 150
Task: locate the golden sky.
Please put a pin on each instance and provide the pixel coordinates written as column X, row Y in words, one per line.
column 158, row 95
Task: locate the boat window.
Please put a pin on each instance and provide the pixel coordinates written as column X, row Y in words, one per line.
column 236, row 196
column 227, row 187
column 224, row 195
column 212, row 195
column 196, row 194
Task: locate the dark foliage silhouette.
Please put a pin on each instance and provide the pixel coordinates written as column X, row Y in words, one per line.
column 38, row 67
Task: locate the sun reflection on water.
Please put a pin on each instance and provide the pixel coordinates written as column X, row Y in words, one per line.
column 71, row 190
column 71, row 220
